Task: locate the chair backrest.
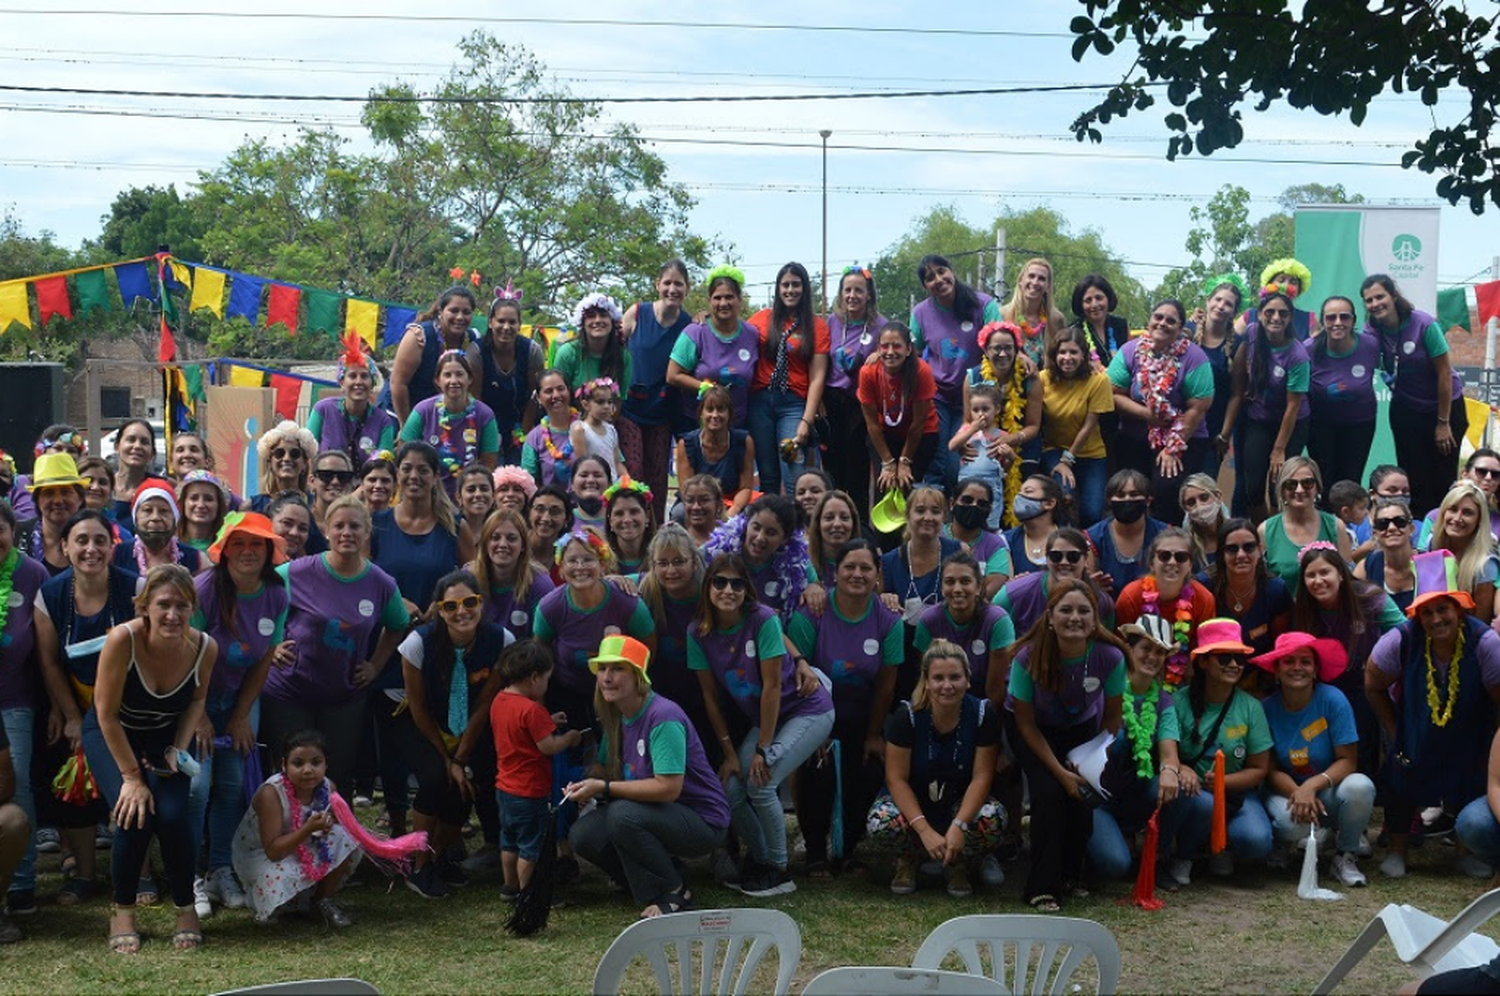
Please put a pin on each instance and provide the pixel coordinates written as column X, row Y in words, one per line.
column 308, row 987
column 883, row 980
column 727, row 946
column 1047, row 950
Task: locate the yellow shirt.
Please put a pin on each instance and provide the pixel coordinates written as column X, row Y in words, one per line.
column 1066, row 403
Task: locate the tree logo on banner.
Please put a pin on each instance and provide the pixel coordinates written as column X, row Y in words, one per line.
column 1406, row 248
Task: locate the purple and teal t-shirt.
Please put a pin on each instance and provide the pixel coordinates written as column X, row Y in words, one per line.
column 734, row 657
column 669, row 671
column 1024, row 597
column 849, row 347
column 259, row 624
column 18, row 670
column 851, row 652
column 574, row 634
column 1088, row 680
column 538, row 461
column 361, row 437
column 459, row 437
column 1343, row 385
column 989, row 629
column 991, row 549
column 333, row 619
column 659, row 740
column 1290, row 373
column 730, row 363
column 503, row 609
column 1195, row 379
column 948, row 342
column 1407, row 356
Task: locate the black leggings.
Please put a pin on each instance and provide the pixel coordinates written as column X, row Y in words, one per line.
column 1431, row 473
column 1060, row 825
column 1136, row 453
column 437, row 796
column 862, row 779
column 1339, row 449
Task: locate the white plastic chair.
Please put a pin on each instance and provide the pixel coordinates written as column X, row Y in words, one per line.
column 1422, row 940
column 1047, row 950
column 882, row 980
column 308, row 987
column 727, row 944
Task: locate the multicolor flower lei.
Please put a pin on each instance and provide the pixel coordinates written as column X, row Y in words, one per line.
column 453, row 456
column 1156, row 373
column 1182, row 622
column 1441, row 715
column 1142, row 728
column 314, row 867
column 626, row 483
column 563, row 455
column 518, row 435
column 7, row 584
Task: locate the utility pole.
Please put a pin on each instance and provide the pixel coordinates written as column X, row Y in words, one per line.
column 825, row 133
column 1000, row 292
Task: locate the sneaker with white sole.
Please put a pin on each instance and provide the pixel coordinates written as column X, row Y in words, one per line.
column 1345, row 868
column 48, row 841
column 1181, row 871
column 990, row 872
column 201, row 902
column 225, row 890
column 1394, row 866
column 1474, row 866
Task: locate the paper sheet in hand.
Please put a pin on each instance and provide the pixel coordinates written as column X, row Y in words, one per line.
column 1090, row 758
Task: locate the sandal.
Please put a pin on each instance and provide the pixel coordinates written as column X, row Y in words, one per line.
column 75, row 891
column 1077, row 889
column 820, row 871
column 187, row 938
column 147, row 894
column 125, row 941
column 1045, row 902
column 668, row 902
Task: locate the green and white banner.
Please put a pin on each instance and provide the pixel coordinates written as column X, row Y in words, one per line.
column 1341, row 244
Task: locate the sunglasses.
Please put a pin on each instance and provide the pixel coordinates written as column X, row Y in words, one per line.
column 1485, row 471
column 1233, row 549
column 975, row 502
column 1058, row 556
column 1386, row 522
column 334, row 476
column 1300, row 484
column 723, row 582
column 1338, row 316
column 282, row 453
column 454, row 604
column 1167, row 556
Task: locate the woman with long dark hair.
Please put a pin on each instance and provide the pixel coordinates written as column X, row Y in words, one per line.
column 510, row 368
column 1244, row 590
column 1076, row 400
column 853, row 328
column 1272, row 373
column 599, row 350
column 896, row 399
column 1342, row 394
column 651, row 330
column 789, row 379
column 440, row 328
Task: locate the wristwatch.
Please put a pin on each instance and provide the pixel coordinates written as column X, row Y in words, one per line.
column 962, row 825
column 762, row 752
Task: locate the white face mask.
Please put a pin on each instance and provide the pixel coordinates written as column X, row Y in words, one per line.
column 1205, row 513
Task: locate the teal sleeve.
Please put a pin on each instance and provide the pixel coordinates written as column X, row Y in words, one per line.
column 1020, row 684
column 489, row 438
column 604, row 751
column 1259, row 737
column 530, row 462
column 1199, row 383
column 1434, row 341
column 411, row 432
column 768, row 641
column 1002, row 599
column 286, row 577
column 1424, row 535
column 812, row 574
column 685, row 353
column 640, row 624
column 567, row 363
column 1390, row 615
column 1299, row 378
column 893, row 647
column 279, row 633
column 394, row 615
column 315, row 425
column 999, row 562
column 921, row 639
column 198, row 620
column 669, row 749
column 803, row 633
column 918, row 343
column 1166, row 725
column 1119, row 375
column 1114, row 684
column 387, row 439
column 696, row 659
column 991, row 311
column 540, row 627
column 1003, row 633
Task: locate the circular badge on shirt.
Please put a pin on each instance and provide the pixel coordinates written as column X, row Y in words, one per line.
column 744, row 356
column 750, row 648
column 611, row 631
column 640, row 747
column 1408, row 347
column 266, row 626
column 16, row 600
column 366, row 443
column 1358, row 370
column 1278, row 372
column 864, row 340
column 518, row 617
column 366, row 607
column 872, row 646
column 977, row 646
column 1239, row 752
column 433, row 439
column 772, row 587
column 1091, row 684
column 966, row 327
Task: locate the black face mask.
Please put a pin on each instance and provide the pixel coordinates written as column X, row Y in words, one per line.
column 1128, row 510
column 590, row 506
column 970, row 516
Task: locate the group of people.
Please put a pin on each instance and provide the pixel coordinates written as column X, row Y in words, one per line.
column 467, row 576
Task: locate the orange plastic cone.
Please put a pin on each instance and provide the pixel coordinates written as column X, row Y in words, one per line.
column 1218, row 837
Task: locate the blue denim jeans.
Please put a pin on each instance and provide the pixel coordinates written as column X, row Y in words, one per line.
column 775, row 416
column 219, row 791
column 18, row 730
column 755, row 810
column 1479, row 831
column 1349, row 806
column 943, row 471
column 1089, row 475
column 1186, row 821
column 1108, row 849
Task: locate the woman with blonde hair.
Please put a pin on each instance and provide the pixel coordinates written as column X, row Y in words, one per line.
column 286, row 454
column 1204, row 515
column 1463, row 529
column 1031, row 308
column 511, row 584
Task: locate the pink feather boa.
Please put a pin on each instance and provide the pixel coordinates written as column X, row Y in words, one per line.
column 395, row 853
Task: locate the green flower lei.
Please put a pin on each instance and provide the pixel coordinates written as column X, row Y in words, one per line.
column 1142, row 728
column 7, row 584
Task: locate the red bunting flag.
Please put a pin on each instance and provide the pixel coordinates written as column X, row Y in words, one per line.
column 52, row 298
column 1488, row 297
column 282, row 307
column 288, row 393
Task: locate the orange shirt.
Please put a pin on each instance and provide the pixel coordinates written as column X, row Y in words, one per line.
column 796, row 368
column 884, row 392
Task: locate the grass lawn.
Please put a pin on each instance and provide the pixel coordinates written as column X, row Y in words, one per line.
column 1252, row 936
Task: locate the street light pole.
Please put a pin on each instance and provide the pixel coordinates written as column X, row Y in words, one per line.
column 825, row 133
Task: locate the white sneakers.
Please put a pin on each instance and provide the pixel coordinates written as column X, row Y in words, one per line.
column 1393, row 866
column 1181, row 871
column 224, row 890
column 1345, row 868
column 201, row 901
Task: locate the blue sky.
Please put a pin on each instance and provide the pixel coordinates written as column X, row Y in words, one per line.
column 62, row 170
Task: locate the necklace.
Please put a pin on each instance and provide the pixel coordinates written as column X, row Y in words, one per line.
column 1177, row 660
column 563, row 455
column 1441, row 715
column 1239, row 596
column 7, row 584
column 1141, row 726
column 314, row 867
column 457, row 431
column 890, row 387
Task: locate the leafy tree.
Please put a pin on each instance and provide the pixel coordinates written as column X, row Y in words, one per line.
column 1332, row 56
column 143, row 219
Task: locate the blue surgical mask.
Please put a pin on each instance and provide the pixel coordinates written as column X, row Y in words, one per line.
column 1026, row 508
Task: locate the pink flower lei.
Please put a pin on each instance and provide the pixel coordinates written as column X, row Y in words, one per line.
column 1156, row 375
column 313, row 867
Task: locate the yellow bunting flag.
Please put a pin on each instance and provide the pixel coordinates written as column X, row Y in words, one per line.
column 181, row 273
column 13, row 304
column 208, row 291
column 244, row 377
column 362, row 317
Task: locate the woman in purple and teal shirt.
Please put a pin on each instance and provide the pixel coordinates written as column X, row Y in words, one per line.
column 350, row 422
column 1025, row 596
column 982, row 628
column 339, row 602
column 1272, row 373
column 670, row 588
column 1342, row 393
column 737, row 647
column 943, row 327
column 21, row 578
column 1428, row 417
column 722, row 351
column 853, row 330
column 858, row 643
column 513, row 586
column 548, row 453
column 461, row 429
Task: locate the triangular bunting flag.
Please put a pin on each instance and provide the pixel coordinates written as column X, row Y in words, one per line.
column 52, row 298
column 245, row 377
column 93, row 291
column 288, row 391
column 1453, row 309
column 244, row 297
column 1488, row 297
column 208, row 291
column 396, row 321
column 281, row 309
column 135, row 282
column 13, row 305
column 179, row 276
column 323, row 309
column 363, row 317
